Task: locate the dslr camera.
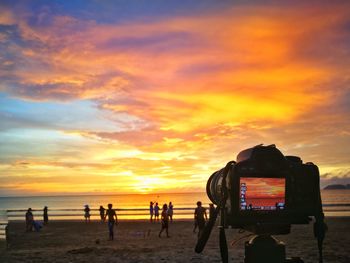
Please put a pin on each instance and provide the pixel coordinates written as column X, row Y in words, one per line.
column 265, row 192
column 265, row 188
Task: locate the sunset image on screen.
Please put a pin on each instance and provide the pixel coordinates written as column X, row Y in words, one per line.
column 262, row 193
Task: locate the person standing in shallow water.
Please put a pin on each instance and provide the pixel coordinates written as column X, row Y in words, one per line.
column 102, row 213
column 46, row 216
column 29, row 220
column 151, row 211
column 199, row 214
column 156, row 212
column 165, row 221
column 112, row 219
column 171, row 211
column 87, row 213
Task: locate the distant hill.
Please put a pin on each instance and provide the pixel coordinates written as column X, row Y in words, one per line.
column 337, row 186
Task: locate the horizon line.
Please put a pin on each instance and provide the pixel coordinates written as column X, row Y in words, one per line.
column 99, row 194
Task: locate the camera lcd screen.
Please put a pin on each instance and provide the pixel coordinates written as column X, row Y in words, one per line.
column 261, row 194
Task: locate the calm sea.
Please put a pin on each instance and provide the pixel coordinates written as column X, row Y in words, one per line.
column 131, row 206
column 135, row 206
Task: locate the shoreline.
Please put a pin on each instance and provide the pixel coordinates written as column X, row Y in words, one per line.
column 99, row 221
column 139, row 220
column 95, row 220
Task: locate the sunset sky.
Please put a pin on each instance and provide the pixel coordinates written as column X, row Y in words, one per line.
column 264, row 187
column 145, row 96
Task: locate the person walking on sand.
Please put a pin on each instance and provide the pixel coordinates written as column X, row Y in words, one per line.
column 112, row 219
column 156, row 212
column 87, row 214
column 199, row 214
column 165, row 221
column 29, row 220
column 151, row 211
column 102, row 213
column 171, row 211
column 46, row 216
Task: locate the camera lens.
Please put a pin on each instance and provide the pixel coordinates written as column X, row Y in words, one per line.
column 214, row 186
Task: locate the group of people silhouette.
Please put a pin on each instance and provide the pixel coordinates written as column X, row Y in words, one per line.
column 33, row 224
column 112, row 219
column 166, row 215
column 154, row 211
column 109, row 214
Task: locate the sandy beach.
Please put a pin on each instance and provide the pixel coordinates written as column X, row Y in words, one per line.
column 138, row 241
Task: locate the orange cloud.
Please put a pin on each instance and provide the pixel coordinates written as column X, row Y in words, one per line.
column 193, row 90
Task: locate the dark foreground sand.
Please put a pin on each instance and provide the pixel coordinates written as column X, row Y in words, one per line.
column 138, row 241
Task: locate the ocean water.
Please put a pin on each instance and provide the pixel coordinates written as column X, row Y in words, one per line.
column 132, row 206
column 135, row 206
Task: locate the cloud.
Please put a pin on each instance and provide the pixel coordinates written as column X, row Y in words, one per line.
column 195, row 86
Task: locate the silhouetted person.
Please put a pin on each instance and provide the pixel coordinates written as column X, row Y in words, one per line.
column 171, row 211
column 211, row 210
column 112, row 219
column 87, row 213
column 46, row 216
column 29, row 220
column 102, row 213
column 199, row 214
column 151, row 210
column 165, row 220
column 156, row 212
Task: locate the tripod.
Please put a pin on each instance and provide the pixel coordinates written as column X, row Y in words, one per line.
column 265, row 248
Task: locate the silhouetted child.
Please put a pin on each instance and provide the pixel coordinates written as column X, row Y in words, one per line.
column 29, row 220
column 165, row 220
column 112, row 219
column 199, row 214
column 102, row 213
column 171, row 211
column 45, row 215
column 87, row 213
column 156, row 212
